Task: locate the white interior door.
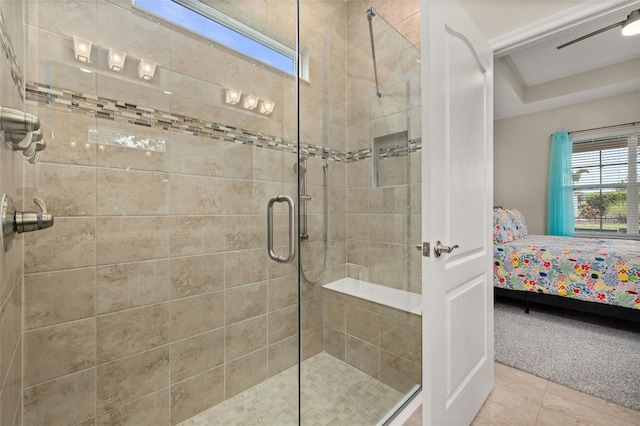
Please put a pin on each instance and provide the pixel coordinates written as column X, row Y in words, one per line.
column 457, row 210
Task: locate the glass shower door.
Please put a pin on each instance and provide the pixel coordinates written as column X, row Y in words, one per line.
column 153, row 299
column 360, row 303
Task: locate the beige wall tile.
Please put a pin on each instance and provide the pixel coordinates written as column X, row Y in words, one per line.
column 131, row 378
column 334, row 313
column 283, row 355
column 269, row 165
column 245, row 337
column 131, row 193
column 398, row 372
column 131, row 331
column 311, row 314
column 196, row 354
column 56, row 297
column 66, row 190
column 362, row 303
column 383, row 256
column 197, row 314
column 279, row 270
column 196, row 275
column 196, row 235
column 283, row 324
column 11, row 267
column 196, row 98
column 311, row 342
column 240, row 162
column 388, row 228
column 197, row 155
column 196, row 394
column 197, row 195
column 184, row 48
column 245, row 302
column 11, row 394
column 70, row 243
column 245, row 197
column 10, row 328
column 401, row 339
column 152, row 46
column 245, row 372
column 282, row 292
column 153, row 409
column 334, row 342
column 130, row 239
column 245, row 266
column 245, row 232
column 67, row 400
column 52, row 63
column 363, row 324
column 70, row 144
column 130, row 285
column 363, row 356
column 411, row 28
column 59, row 350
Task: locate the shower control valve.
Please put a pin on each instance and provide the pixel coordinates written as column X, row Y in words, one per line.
column 14, row 222
column 28, row 221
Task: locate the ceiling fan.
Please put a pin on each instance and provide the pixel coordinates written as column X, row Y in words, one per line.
column 630, row 26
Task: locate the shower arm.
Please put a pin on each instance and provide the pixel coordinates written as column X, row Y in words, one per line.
column 371, row 12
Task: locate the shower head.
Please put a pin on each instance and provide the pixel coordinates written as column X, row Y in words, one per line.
column 301, row 164
column 302, row 167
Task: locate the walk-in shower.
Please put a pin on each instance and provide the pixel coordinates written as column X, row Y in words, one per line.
column 153, row 300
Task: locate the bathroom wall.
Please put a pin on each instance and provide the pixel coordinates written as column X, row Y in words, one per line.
column 523, row 146
column 383, row 222
column 152, row 296
column 11, row 166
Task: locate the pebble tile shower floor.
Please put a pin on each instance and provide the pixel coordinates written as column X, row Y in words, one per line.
column 333, row 393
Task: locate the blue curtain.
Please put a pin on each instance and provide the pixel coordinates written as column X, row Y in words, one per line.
column 560, row 214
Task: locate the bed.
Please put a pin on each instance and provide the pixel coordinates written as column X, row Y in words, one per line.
column 589, row 274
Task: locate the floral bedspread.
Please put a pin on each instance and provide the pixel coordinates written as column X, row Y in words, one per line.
column 596, row 270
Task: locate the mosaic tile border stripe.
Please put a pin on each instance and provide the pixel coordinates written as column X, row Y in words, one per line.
column 12, row 59
column 124, row 112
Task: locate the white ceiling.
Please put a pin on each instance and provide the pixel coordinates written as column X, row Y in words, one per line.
column 533, row 75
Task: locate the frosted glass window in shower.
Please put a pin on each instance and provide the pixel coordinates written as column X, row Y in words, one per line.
column 214, row 25
column 390, row 159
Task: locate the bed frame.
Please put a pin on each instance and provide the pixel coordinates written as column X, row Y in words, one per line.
column 611, row 311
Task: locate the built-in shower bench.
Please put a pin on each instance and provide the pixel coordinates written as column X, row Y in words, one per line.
column 376, row 329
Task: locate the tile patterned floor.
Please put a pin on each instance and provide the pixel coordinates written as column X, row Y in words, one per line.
column 333, row 393
column 519, row 398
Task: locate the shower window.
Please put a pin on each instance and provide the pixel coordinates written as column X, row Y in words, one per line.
column 220, row 28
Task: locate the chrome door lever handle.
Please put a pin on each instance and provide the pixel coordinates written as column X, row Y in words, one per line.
column 438, row 249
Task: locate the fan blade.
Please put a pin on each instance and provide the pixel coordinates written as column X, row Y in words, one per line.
column 601, row 30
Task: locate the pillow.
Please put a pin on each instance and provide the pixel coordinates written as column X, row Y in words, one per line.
column 503, row 227
column 519, row 224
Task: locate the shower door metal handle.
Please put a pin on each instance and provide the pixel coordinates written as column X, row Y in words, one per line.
column 292, row 209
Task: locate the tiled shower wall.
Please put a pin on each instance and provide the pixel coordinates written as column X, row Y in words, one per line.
column 11, row 182
column 152, row 296
column 384, row 222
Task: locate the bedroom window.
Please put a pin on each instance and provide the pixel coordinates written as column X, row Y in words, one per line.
column 606, row 186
